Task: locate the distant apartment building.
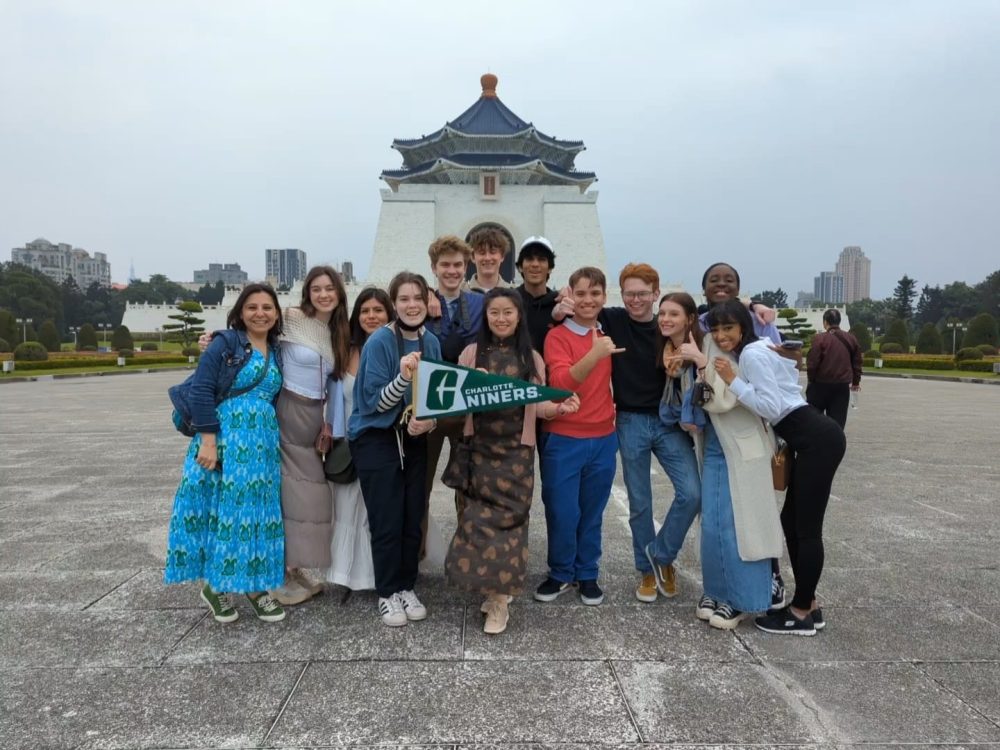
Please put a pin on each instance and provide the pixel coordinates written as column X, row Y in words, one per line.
column 805, row 299
column 857, row 272
column 61, row 261
column 285, row 266
column 227, row 273
column 829, row 287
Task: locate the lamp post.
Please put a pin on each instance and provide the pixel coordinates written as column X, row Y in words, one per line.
column 24, row 327
column 160, row 331
column 954, row 329
column 104, row 327
column 74, row 330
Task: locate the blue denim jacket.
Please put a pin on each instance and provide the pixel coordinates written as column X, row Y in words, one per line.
column 217, row 369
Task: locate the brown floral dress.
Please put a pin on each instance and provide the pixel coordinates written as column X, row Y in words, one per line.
column 489, row 552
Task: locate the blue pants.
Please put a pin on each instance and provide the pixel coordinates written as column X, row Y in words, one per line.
column 641, row 436
column 744, row 585
column 577, row 475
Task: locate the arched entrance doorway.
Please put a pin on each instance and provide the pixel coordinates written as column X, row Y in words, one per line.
column 507, row 267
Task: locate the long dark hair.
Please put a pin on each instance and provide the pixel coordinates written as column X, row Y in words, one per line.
column 358, row 335
column 521, row 338
column 686, row 301
column 235, row 317
column 733, row 311
column 340, row 329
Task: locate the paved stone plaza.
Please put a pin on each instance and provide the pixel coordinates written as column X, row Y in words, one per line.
column 95, row 652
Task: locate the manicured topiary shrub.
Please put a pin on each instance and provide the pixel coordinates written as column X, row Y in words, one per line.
column 968, row 353
column 48, row 336
column 86, row 338
column 30, row 351
column 4, row 345
column 892, row 348
column 191, row 351
column 987, row 350
column 983, row 329
column 149, row 346
column 872, row 354
column 127, row 353
column 929, row 340
column 897, row 334
column 88, row 348
column 121, row 339
column 862, row 334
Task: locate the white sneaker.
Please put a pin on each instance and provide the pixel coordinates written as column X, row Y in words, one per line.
column 412, row 606
column 392, row 611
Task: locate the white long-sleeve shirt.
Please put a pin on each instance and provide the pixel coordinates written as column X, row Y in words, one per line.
column 768, row 384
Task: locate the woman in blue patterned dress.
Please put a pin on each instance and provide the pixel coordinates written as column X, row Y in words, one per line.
column 226, row 527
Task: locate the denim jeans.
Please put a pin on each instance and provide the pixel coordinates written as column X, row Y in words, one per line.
column 578, row 473
column 641, row 436
column 745, row 585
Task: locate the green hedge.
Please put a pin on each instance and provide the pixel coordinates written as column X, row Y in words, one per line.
column 974, row 366
column 968, row 353
column 95, row 362
column 911, row 363
column 30, row 351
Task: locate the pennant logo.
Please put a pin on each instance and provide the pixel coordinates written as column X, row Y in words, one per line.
column 443, row 390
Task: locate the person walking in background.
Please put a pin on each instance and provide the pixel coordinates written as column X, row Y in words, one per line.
column 351, row 548
column 578, row 459
column 489, row 552
column 226, row 526
column 833, row 367
column 390, row 449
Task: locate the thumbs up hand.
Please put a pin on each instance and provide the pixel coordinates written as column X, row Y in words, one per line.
column 689, row 352
column 604, row 346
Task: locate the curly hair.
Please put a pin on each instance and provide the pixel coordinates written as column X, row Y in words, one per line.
column 447, row 244
column 490, row 237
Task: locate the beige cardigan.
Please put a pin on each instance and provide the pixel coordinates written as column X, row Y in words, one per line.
column 748, row 444
column 531, row 411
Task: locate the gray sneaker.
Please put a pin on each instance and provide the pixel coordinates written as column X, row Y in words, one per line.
column 221, row 605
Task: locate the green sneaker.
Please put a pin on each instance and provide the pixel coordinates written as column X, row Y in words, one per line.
column 220, row 604
column 266, row 607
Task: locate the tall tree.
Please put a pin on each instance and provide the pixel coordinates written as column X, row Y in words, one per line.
column 903, row 296
column 73, row 302
column 862, row 335
column 775, row 300
column 930, row 306
column 929, row 341
column 873, row 313
column 982, row 330
column 48, row 336
column 960, row 300
column 989, row 294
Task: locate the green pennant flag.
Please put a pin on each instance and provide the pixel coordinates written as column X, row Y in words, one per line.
column 442, row 389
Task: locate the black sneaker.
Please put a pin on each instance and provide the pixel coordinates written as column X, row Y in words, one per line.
column 777, row 592
column 551, row 589
column 706, row 608
column 818, row 622
column 726, row 617
column 783, row 622
column 590, row 593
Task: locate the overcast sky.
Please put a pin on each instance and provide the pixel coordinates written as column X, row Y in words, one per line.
column 768, row 134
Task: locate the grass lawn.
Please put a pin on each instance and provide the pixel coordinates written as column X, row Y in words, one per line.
column 938, row 373
column 89, row 370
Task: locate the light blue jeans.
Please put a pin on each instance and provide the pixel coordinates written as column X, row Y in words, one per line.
column 744, row 585
column 641, row 436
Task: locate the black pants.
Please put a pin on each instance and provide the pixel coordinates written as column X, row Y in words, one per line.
column 818, row 445
column 394, row 498
column 831, row 399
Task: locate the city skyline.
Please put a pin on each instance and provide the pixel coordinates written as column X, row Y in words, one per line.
column 768, row 136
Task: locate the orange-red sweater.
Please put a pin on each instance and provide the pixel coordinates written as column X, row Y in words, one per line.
column 596, row 418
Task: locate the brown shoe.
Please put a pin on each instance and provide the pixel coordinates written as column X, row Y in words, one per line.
column 496, row 615
column 646, row 590
column 666, row 580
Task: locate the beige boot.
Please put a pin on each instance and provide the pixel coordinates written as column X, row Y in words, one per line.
column 496, row 614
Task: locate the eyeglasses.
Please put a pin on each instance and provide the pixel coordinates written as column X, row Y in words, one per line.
column 636, row 295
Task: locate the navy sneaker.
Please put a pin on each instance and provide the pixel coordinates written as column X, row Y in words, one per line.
column 818, row 622
column 706, row 608
column 551, row 589
column 777, row 591
column 783, row 622
column 590, row 593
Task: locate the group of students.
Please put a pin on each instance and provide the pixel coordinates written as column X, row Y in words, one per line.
column 703, row 392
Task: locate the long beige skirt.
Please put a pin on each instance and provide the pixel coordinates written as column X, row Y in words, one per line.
column 306, row 496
